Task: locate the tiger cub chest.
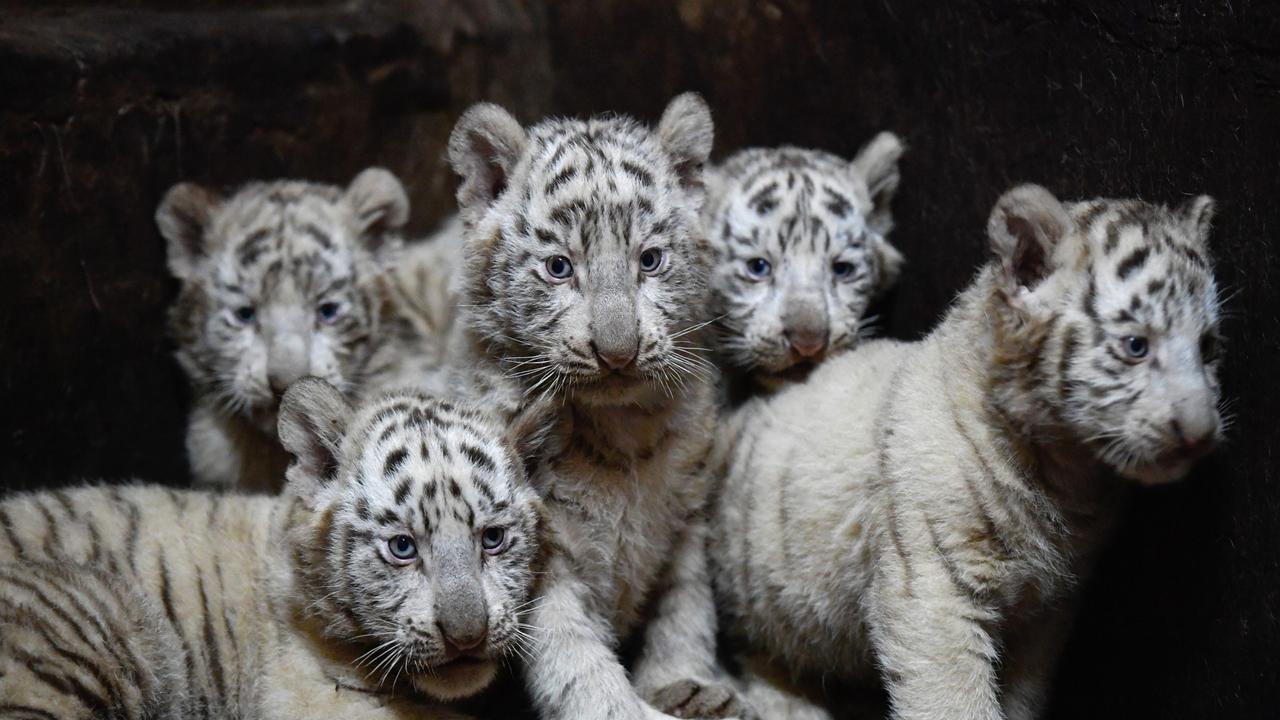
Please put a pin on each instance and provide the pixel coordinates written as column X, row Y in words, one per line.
column 622, row 515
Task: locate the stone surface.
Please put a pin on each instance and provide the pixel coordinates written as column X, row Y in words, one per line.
column 103, row 109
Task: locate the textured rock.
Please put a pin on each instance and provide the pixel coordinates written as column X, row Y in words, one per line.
column 103, row 109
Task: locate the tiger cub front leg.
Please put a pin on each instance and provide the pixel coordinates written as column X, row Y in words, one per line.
column 677, row 670
column 573, row 670
column 934, row 648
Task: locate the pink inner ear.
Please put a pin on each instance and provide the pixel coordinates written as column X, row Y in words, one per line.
column 495, row 177
column 1028, row 263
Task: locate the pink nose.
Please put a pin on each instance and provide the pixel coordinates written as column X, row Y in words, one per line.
column 615, row 360
column 463, row 639
column 1190, row 440
column 807, row 344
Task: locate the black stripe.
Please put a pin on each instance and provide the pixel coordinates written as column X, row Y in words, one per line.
column 483, row 487
column 65, row 684
column 10, row 535
column 252, row 246
column 95, row 542
column 211, row 640
column 52, row 537
column 952, row 568
column 1113, row 237
column 895, row 521
column 1091, row 298
column 1089, row 215
column 1070, row 345
column 402, row 490
column 319, row 235
column 59, row 611
column 226, row 626
column 131, row 535
column 1133, row 262
column 559, row 179
column 26, row 710
column 1194, row 256
column 87, row 665
column 644, row 176
column 394, row 458
column 479, row 457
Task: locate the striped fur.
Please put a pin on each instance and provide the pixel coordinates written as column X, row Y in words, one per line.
column 282, row 280
column 927, row 509
column 144, row 602
column 612, row 342
column 801, row 250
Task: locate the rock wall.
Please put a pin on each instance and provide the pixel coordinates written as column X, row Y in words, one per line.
column 104, row 107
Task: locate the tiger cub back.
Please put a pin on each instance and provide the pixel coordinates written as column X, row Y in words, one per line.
column 76, row 638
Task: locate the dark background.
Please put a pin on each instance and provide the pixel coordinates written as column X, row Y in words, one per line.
column 102, row 108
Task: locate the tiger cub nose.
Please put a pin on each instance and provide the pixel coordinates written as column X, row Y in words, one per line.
column 615, row 358
column 463, row 639
column 1192, row 436
column 807, row 343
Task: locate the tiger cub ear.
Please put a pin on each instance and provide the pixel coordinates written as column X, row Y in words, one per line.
column 1197, row 214
column 1025, row 228
column 687, row 132
column 877, row 165
column 889, row 261
column 484, row 147
column 183, row 216
column 379, row 206
column 313, row 419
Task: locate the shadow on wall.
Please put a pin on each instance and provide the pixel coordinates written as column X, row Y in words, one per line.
column 105, row 108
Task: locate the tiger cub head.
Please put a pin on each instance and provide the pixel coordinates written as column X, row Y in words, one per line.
column 801, row 250
column 414, row 536
column 586, row 270
column 279, row 281
column 1107, row 327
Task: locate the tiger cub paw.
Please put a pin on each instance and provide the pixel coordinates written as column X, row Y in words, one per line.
column 701, row 699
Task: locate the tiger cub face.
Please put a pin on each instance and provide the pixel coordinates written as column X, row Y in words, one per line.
column 419, row 537
column 1108, row 326
column 586, row 268
column 801, row 250
column 278, row 283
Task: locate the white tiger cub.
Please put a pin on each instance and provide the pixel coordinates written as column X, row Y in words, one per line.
column 585, row 282
column 282, row 280
column 927, row 509
column 801, row 250
column 392, row 575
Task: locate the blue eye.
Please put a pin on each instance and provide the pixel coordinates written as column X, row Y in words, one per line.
column 758, row 268
column 1135, row 346
column 651, row 260
column 842, row 269
column 245, row 314
column 328, row 312
column 402, row 547
column 559, row 267
column 493, row 539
